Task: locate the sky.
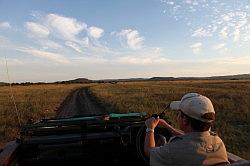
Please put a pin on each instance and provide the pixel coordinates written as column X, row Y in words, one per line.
column 53, row 40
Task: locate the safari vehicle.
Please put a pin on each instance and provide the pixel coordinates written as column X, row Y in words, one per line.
column 103, row 139
column 93, row 140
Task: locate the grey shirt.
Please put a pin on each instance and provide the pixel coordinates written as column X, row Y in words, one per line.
column 196, row 148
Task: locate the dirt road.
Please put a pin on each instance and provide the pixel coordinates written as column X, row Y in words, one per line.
column 79, row 102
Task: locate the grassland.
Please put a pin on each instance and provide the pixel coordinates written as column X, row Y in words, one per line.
column 231, row 100
column 33, row 102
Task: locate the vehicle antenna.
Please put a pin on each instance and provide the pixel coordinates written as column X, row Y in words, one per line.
column 11, row 92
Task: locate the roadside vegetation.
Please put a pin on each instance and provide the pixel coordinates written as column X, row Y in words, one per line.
column 33, row 102
column 231, row 99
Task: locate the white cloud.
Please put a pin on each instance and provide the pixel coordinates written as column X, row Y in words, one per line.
column 246, row 37
column 201, row 32
column 95, row 32
column 37, row 29
column 236, row 35
column 142, row 61
column 221, row 19
column 5, row 24
column 224, row 33
column 46, row 55
column 50, row 44
column 134, row 40
column 148, row 56
column 65, row 27
column 170, row 2
column 74, row 46
column 196, row 48
column 61, row 31
column 228, row 17
column 189, row 1
column 219, row 46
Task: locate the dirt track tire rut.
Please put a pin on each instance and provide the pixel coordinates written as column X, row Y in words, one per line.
column 77, row 103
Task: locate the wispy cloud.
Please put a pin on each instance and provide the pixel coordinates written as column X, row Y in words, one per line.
column 74, row 46
column 219, row 46
column 45, row 55
column 224, row 32
column 37, row 30
column 5, row 25
column 149, row 56
column 201, row 33
column 132, row 38
column 196, row 48
column 49, row 44
column 65, row 27
column 146, row 56
column 226, row 20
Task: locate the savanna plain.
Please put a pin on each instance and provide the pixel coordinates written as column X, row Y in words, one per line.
column 231, row 99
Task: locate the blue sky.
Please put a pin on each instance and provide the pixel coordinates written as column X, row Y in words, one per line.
column 46, row 40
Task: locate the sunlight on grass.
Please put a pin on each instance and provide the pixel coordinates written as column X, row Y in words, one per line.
column 33, row 102
column 231, row 100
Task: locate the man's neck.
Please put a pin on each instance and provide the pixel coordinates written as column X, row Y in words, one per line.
column 188, row 129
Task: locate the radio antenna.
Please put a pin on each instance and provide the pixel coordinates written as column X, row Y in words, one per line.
column 11, row 92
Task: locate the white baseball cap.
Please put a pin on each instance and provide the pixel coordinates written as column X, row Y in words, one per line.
column 195, row 106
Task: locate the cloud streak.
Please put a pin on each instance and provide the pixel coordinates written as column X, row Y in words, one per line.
column 37, row 30
column 45, row 55
column 5, row 25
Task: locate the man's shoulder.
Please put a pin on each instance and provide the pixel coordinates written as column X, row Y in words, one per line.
column 195, row 137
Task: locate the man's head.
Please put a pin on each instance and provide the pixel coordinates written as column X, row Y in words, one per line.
column 196, row 110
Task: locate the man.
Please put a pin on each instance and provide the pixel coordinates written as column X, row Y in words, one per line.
column 195, row 145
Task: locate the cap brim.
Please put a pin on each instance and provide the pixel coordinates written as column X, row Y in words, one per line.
column 175, row 105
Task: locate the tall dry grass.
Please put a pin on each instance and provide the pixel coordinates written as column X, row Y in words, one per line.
column 33, row 102
column 231, row 100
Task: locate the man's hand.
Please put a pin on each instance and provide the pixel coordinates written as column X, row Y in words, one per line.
column 149, row 143
column 152, row 122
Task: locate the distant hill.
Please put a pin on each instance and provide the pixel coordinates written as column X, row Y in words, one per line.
column 240, row 76
column 78, row 80
column 3, row 83
column 113, row 81
column 228, row 77
column 161, row 78
column 121, row 80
